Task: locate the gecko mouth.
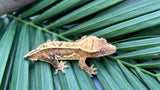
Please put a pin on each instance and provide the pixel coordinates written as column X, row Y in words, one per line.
column 26, row 57
column 30, row 57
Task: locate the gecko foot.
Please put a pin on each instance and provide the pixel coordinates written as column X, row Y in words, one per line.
column 91, row 70
column 61, row 67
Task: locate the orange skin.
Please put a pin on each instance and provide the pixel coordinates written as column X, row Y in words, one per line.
column 81, row 49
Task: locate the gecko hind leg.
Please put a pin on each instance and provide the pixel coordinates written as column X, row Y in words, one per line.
column 58, row 65
column 89, row 70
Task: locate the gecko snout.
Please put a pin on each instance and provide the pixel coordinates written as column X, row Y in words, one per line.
column 26, row 57
column 31, row 57
column 112, row 49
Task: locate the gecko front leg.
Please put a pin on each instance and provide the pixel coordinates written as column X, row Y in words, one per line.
column 51, row 58
column 83, row 65
column 58, row 65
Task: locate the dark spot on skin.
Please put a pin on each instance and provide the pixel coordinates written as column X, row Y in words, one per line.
column 60, row 44
column 52, row 44
column 54, row 57
column 44, row 46
column 42, row 57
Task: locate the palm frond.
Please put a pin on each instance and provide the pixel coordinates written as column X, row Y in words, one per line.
column 131, row 25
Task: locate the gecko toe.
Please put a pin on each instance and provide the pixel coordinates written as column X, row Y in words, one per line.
column 63, row 71
column 55, row 73
column 92, row 70
column 64, row 62
column 66, row 66
column 92, row 65
column 91, row 75
column 95, row 68
column 61, row 67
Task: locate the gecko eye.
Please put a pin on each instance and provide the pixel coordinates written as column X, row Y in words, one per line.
column 103, row 50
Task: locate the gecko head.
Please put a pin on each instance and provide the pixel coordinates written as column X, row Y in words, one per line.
column 105, row 48
column 96, row 45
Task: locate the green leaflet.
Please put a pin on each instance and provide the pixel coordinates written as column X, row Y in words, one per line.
column 104, row 77
column 32, row 79
column 68, row 78
column 144, row 53
column 5, row 46
column 134, row 81
column 8, row 69
column 149, row 32
column 37, row 8
column 88, row 9
column 55, row 10
column 130, row 26
column 151, row 82
column 19, row 80
column 113, row 17
column 84, row 80
column 149, row 64
column 138, row 44
column 116, row 74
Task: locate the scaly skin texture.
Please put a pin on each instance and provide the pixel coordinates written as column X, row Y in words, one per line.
column 52, row 51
